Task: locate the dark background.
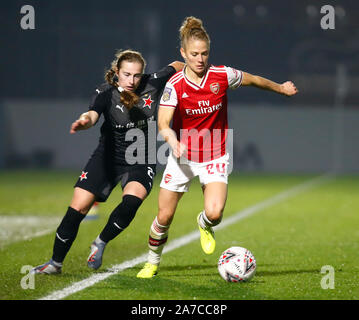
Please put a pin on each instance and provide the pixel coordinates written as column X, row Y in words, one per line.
column 74, row 41
column 49, row 74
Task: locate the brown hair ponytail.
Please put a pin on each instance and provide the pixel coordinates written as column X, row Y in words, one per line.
column 110, row 77
column 128, row 98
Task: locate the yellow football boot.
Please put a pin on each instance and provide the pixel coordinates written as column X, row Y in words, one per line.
column 208, row 241
column 148, row 271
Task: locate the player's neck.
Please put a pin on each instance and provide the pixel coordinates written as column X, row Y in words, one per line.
column 193, row 76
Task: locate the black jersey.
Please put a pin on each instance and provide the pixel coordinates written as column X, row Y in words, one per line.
column 124, row 132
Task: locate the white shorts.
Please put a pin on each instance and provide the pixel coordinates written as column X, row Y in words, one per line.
column 179, row 174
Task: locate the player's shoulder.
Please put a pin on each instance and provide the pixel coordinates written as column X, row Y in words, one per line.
column 225, row 72
column 148, row 80
column 104, row 88
column 162, row 74
column 166, row 72
column 177, row 77
column 144, row 81
column 156, row 79
column 218, row 69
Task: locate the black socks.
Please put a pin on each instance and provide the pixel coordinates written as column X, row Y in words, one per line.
column 66, row 234
column 121, row 217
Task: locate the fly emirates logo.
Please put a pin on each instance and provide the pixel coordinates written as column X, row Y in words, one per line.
column 204, row 108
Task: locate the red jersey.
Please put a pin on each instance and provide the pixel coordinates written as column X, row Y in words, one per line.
column 200, row 119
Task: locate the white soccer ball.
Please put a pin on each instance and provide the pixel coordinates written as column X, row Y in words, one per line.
column 237, row 264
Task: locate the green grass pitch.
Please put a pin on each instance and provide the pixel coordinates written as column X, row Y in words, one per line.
column 292, row 240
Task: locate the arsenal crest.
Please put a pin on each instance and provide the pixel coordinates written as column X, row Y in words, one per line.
column 214, row 87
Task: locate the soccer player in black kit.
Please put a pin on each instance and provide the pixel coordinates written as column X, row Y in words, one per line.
column 128, row 101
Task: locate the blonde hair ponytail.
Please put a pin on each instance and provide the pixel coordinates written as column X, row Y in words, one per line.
column 192, row 28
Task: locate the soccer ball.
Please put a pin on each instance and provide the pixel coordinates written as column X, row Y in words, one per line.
column 237, row 264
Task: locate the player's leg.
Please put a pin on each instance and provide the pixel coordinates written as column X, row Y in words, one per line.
column 67, row 231
column 215, row 195
column 92, row 185
column 176, row 180
column 133, row 195
column 120, row 218
column 214, row 178
column 137, row 184
column 167, row 204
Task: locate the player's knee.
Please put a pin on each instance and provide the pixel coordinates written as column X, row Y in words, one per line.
column 80, row 208
column 164, row 216
column 214, row 213
column 82, row 200
column 125, row 212
column 81, row 205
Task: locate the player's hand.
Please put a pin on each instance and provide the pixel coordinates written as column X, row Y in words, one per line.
column 179, row 149
column 80, row 124
column 288, row 88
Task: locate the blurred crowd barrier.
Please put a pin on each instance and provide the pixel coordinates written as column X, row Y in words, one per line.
column 297, row 139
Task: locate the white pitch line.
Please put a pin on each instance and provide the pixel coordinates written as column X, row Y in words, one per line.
column 21, row 227
column 276, row 199
column 186, row 239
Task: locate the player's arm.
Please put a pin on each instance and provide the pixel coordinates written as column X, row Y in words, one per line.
column 177, row 65
column 165, row 116
column 286, row 88
column 85, row 121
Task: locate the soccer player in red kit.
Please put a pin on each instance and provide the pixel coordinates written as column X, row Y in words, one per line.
column 195, row 99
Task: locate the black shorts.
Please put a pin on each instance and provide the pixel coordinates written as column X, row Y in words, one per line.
column 100, row 176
